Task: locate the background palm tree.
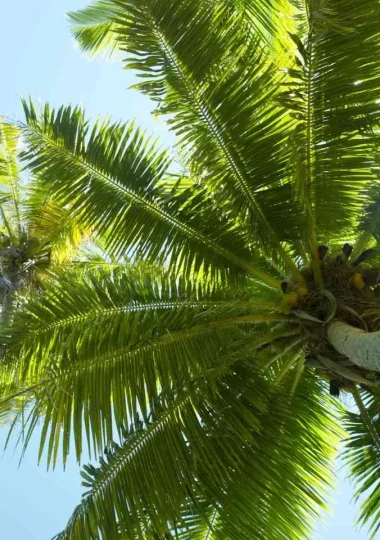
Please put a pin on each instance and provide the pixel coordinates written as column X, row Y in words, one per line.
column 206, row 357
column 36, row 233
column 36, row 236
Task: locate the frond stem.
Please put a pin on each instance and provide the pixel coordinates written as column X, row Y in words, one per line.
column 366, row 417
column 256, row 318
column 311, row 227
column 210, row 528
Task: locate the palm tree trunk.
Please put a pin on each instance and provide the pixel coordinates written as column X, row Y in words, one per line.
column 362, row 348
column 7, row 309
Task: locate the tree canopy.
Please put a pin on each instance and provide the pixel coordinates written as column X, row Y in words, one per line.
column 229, row 293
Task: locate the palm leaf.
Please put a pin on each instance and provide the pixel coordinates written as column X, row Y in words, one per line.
column 181, row 366
column 101, row 345
column 95, row 28
column 228, row 427
column 331, row 92
column 362, row 455
column 110, row 179
column 221, row 101
column 52, row 224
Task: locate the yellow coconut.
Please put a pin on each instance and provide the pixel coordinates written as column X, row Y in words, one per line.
column 303, row 290
column 289, row 301
column 357, row 281
column 292, row 299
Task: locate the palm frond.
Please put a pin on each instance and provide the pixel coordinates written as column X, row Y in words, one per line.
column 199, row 522
column 268, row 20
column 110, row 178
column 290, row 496
column 217, row 84
column 222, row 97
column 332, row 93
column 216, row 443
column 362, row 455
column 52, row 224
column 94, row 28
column 101, row 345
column 165, row 351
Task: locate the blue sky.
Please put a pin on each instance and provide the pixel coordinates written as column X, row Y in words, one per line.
column 39, row 58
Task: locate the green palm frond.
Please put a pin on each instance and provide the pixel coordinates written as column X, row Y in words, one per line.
column 268, row 21
column 35, row 230
column 53, row 224
column 187, row 342
column 198, row 521
column 12, row 406
column 229, row 428
column 332, row 92
column 95, row 28
column 102, row 345
column 218, row 85
column 362, row 454
column 290, row 496
column 248, row 513
column 322, row 141
column 110, row 177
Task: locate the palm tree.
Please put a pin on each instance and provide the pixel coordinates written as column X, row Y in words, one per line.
column 22, row 252
column 35, row 232
column 36, row 236
column 198, row 374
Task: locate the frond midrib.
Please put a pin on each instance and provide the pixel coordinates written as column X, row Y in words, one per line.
column 210, row 527
column 132, row 307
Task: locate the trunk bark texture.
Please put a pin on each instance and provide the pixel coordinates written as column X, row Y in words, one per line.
column 362, row 348
column 7, row 310
column 8, row 306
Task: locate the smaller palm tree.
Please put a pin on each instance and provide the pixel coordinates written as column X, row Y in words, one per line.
column 36, row 233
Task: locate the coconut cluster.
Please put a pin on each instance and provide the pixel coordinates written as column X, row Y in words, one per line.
column 350, row 293
column 20, row 257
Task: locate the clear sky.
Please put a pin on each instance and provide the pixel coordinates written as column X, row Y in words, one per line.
column 39, row 58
